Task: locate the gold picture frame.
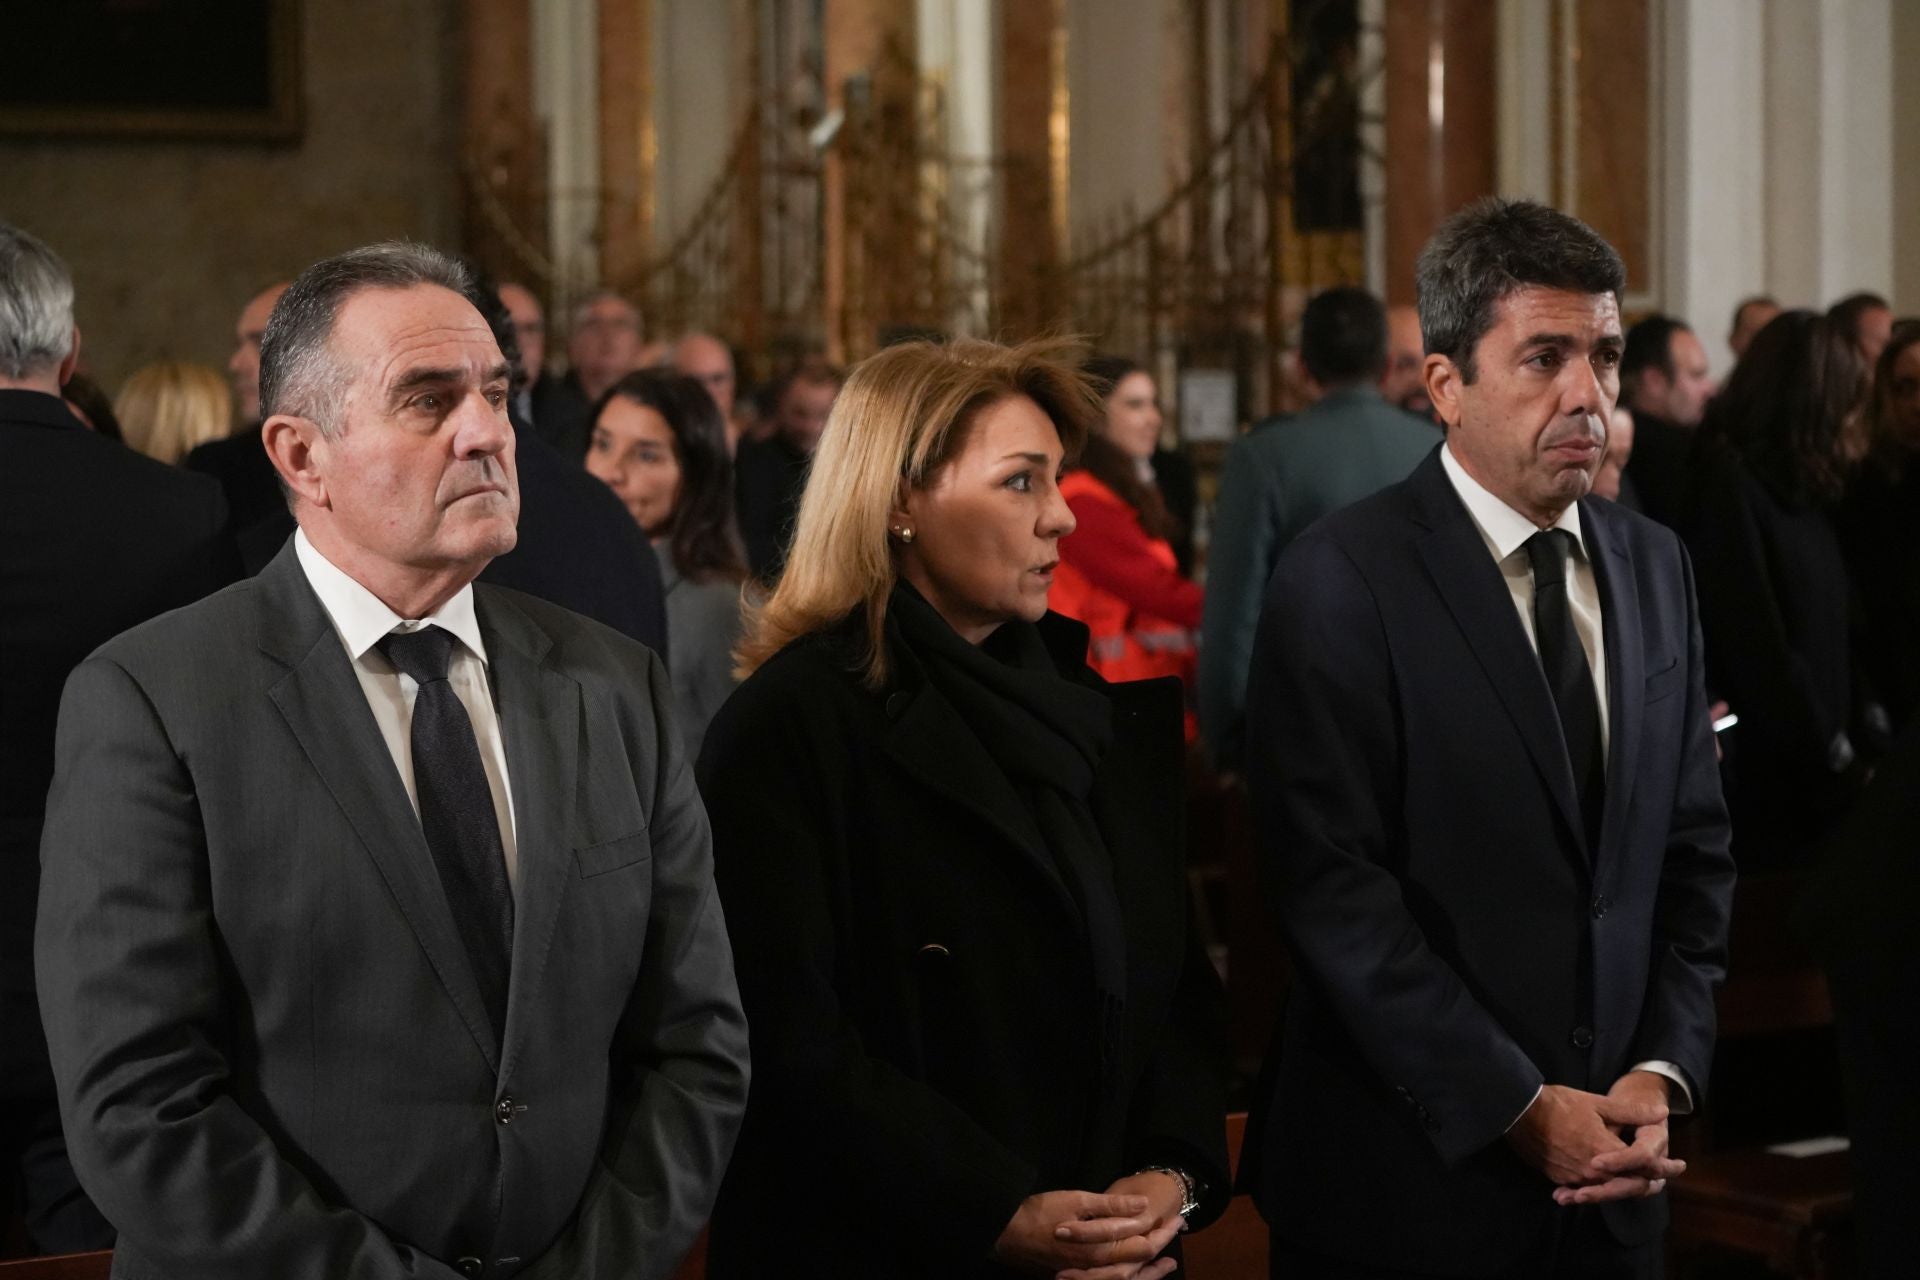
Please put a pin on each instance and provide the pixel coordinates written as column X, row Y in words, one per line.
column 100, row 48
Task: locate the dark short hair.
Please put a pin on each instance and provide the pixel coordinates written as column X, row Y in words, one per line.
column 483, row 291
column 86, row 395
column 1492, row 248
column 1751, row 300
column 1650, row 346
column 812, row 370
column 297, row 370
column 1846, row 313
column 701, row 539
column 1343, row 337
column 1889, row 452
column 1105, row 371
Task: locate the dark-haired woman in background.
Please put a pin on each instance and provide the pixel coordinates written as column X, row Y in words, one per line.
column 1773, row 584
column 1880, row 530
column 1132, row 399
column 659, row 443
column 1119, row 572
column 951, row 858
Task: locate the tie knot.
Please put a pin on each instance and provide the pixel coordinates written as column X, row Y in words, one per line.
column 1547, row 551
column 423, row 654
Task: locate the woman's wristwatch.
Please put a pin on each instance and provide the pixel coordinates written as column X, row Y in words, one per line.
column 1190, row 1186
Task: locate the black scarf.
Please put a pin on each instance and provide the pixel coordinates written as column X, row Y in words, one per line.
column 1049, row 735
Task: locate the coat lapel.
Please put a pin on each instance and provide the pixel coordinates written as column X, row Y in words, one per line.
column 1470, row 583
column 326, row 709
column 540, row 722
column 930, row 741
column 1139, row 804
column 1626, row 665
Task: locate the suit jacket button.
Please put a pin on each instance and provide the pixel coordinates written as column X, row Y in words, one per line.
column 1601, row 905
column 897, row 705
column 503, row 1110
column 468, row 1266
column 1582, row 1038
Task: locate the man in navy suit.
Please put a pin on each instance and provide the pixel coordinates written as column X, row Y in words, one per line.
column 1485, row 794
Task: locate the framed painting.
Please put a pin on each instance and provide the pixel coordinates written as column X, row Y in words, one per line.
column 153, row 68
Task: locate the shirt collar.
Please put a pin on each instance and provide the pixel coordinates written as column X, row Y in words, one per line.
column 360, row 618
column 1503, row 529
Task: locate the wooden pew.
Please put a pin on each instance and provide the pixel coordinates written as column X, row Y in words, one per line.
column 66, row 1266
column 1791, row 1215
column 1235, row 1247
column 98, row 1266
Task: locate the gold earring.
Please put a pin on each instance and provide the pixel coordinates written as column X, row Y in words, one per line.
column 905, row 535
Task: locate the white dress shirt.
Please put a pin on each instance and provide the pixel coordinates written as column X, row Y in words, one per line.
column 1505, row 532
column 362, row 621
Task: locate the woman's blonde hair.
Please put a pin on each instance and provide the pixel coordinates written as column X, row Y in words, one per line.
column 903, row 414
column 166, row 409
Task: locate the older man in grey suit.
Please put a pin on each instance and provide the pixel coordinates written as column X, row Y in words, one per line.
column 1287, row 474
column 377, row 934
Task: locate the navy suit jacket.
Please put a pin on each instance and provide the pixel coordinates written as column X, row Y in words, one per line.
column 94, row 538
column 1458, row 942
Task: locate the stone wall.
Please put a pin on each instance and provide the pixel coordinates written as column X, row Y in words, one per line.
column 168, row 239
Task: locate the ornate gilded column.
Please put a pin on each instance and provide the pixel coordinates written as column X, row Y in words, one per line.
column 628, row 147
column 1440, row 128
column 1034, row 142
column 749, row 328
column 505, row 199
column 1279, row 206
column 868, row 77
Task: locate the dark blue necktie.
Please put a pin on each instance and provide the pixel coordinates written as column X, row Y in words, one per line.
column 457, row 813
column 1565, row 664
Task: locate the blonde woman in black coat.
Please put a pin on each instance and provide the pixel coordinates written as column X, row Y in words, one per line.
column 951, row 861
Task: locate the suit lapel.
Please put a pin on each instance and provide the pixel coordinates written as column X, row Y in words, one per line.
column 326, row 709
column 1470, row 583
column 540, row 722
column 1626, row 666
column 930, row 741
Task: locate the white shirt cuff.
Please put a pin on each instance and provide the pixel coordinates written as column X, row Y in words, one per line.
column 1523, row 1111
column 1680, row 1097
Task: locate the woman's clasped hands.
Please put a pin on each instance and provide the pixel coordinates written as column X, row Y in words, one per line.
column 1086, row 1235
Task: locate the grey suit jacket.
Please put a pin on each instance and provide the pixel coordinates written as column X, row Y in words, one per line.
column 1277, row 480
column 272, row 1056
column 704, row 622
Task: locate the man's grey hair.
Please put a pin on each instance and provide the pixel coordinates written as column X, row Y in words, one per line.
column 1492, row 248
column 299, row 373
column 36, row 305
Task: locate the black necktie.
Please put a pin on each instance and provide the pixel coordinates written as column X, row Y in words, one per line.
column 457, row 814
column 1565, row 664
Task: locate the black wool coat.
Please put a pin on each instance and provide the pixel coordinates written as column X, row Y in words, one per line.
column 1776, row 610
column 918, row 979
